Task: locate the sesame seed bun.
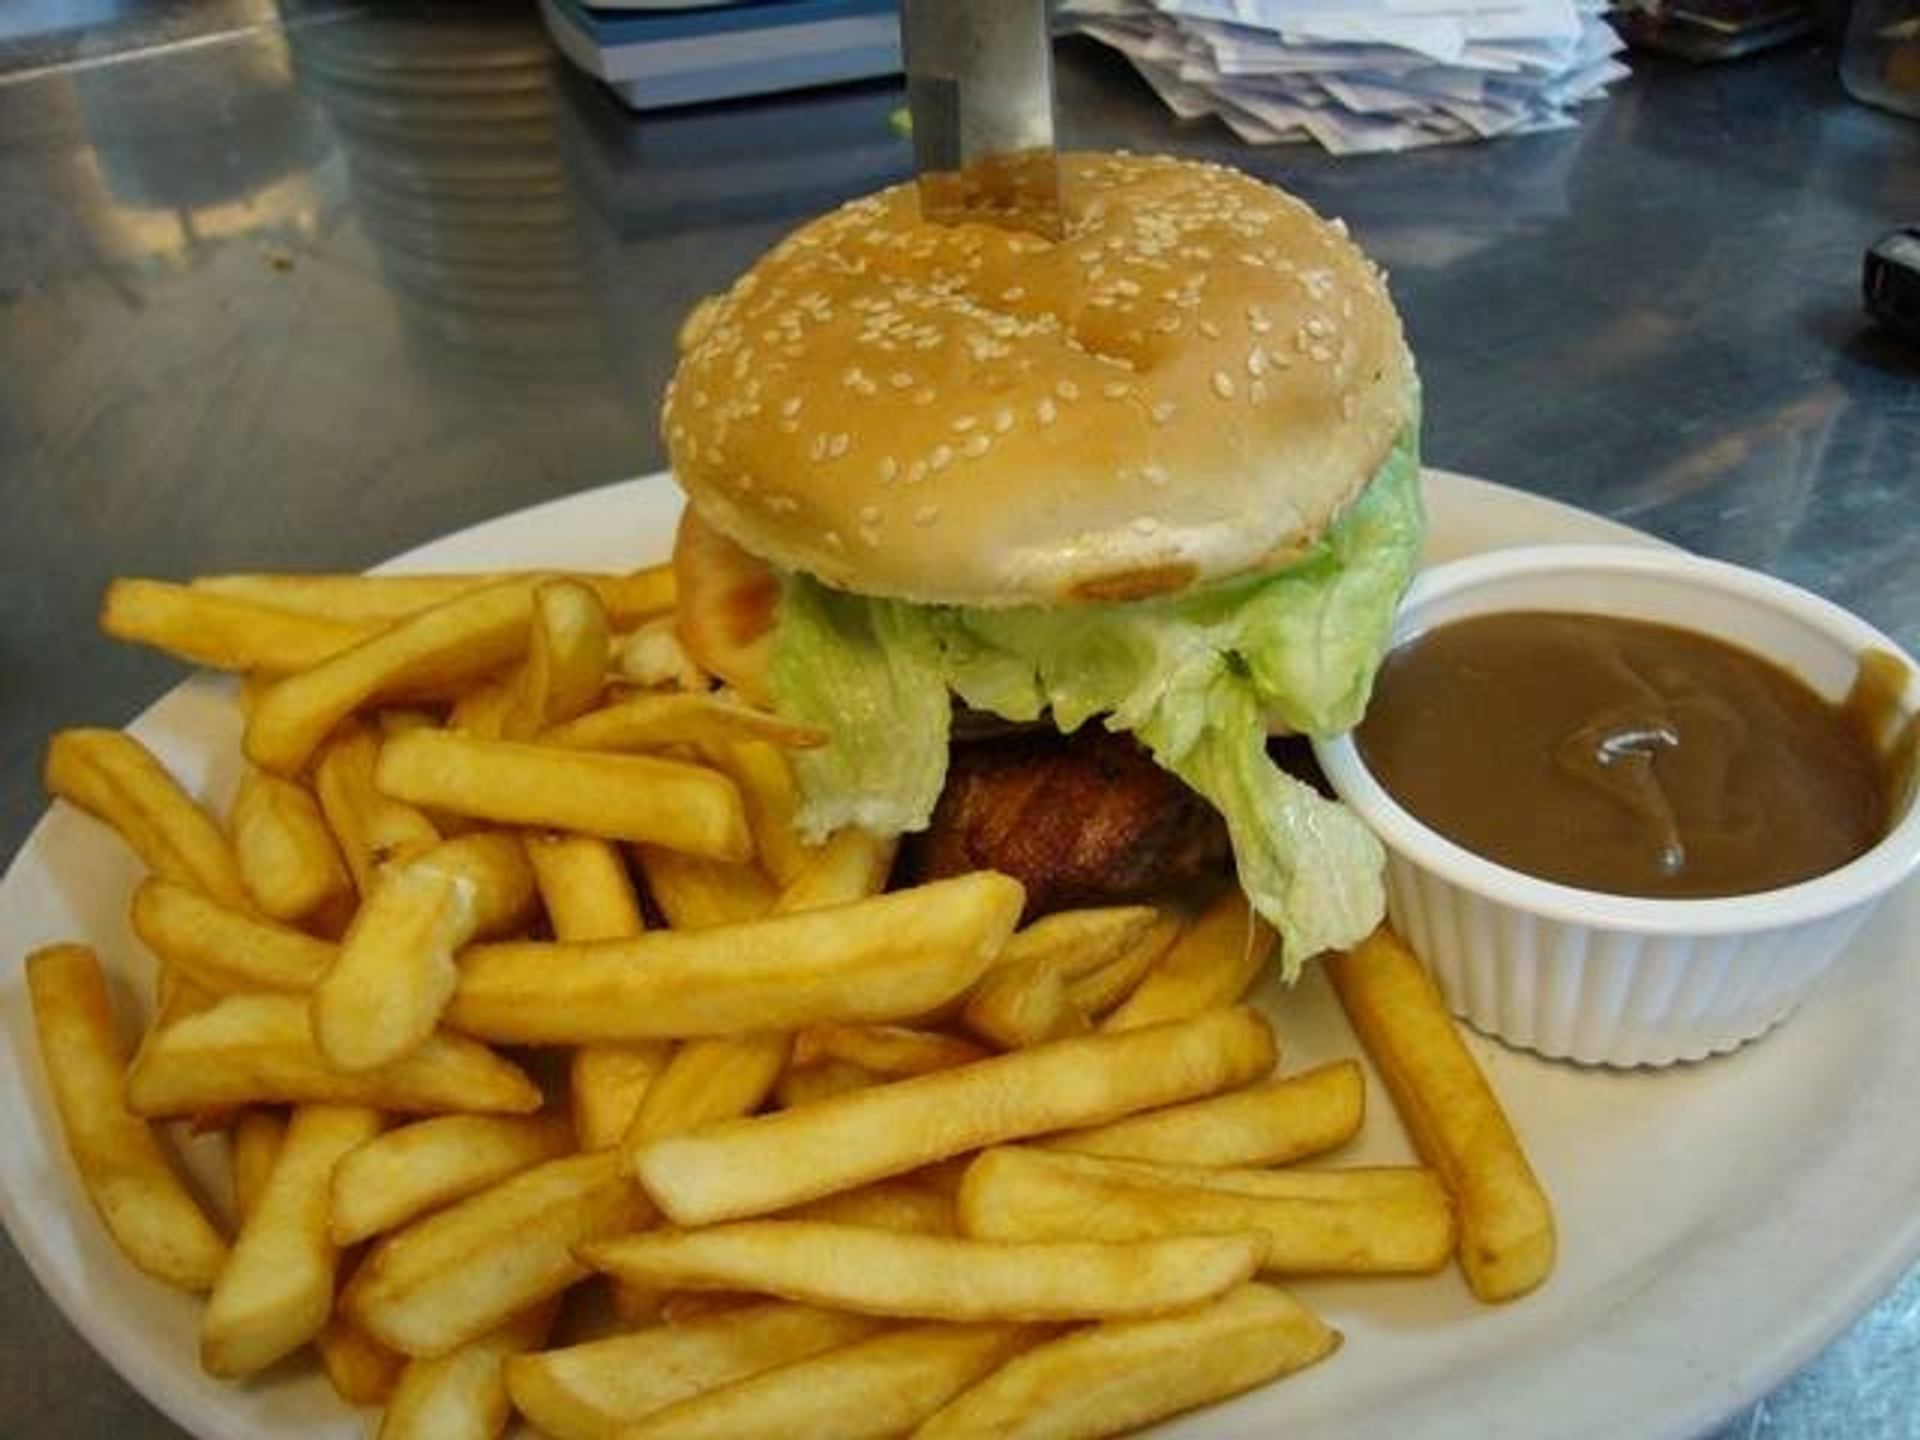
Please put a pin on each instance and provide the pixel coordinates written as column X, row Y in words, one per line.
column 1189, row 386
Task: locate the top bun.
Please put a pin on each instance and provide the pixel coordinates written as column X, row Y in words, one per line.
column 1190, row 385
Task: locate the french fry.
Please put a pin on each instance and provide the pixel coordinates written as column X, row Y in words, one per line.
column 593, row 1391
column 606, row 1085
column 115, row 778
column 253, row 1144
column 1098, row 991
column 894, row 955
column 654, row 722
column 288, row 862
column 708, row 1080
column 620, row 797
column 814, row 1083
column 481, row 710
column 935, row 1277
column 222, row 632
column 1507, row 1233
column 462, row 1271
column 873, row 1389
column 683, row 1307
column 407, row 1172
column 769, row 1162
column 370, row 828
column 395, row 970
column 588, row 894
column 1271, row 1123
column 462, row 1395
column 1123, row 1374
column 851, row 865
column 1315, row 1222
column 361, row 1370
column 225, row 950
column 886, row 1205
column 1021, row 1004
column 892, row 1051
column 383, row 599
column 276, row 1291
column 460, row 640
column 652, row 657
column 585, row 887
column 767, row 789
column 1026, row 997
column 1212, row 963
column 259, row 1050
column 566, row 665
column 127, row 1173
column 695, row 893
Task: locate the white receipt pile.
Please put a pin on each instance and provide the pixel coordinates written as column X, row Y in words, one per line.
column 1364, row 75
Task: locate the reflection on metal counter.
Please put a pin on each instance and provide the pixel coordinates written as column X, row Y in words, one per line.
column 655, row 54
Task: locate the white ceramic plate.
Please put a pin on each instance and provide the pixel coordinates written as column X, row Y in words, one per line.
column 1719, row 1223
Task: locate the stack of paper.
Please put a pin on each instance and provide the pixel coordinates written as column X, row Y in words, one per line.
column 1360, row 75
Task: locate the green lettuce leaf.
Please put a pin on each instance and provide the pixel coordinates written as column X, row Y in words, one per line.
column 1199, row 678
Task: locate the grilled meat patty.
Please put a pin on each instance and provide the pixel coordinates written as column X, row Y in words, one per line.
column 1082, row 819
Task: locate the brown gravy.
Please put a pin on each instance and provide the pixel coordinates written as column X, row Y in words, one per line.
column 1624, row 756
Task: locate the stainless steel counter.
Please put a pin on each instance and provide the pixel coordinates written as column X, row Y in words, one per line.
column 304, row 286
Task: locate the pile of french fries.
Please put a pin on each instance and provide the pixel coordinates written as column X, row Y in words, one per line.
column 513, row 989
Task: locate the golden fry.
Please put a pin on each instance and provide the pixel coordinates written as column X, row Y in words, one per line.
column 288, row 862
column 1316, row 1222
column 225, row 950
column 220, row 631
column 1271, row 1123
column 593, row 1391
column 370, row 828
column 361, row 1370
column 892, row 1051
column 394, row 974
column 566, row 664
column 259, row 1050
column 584, row 885
column 873, row 1389
column 708, row 1080
column 383, row 599
column 937, row 1277
column 695, row 893
column 253, row 1144
column 1098, row 991
column 850, row 866
column 276, row 1291
column 128, row 1175
column 1212, row 963
column 462, row 1395
column 654, row 722
column 115, row 778
column 767, row 788
column 620, row 797
column 1115, row 1377
column 460, row 1272
column 420, row 1167
column 895, row 955
column 769, row 1162
column 1507, row 1235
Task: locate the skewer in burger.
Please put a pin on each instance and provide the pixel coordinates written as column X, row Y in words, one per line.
column 1157, row 479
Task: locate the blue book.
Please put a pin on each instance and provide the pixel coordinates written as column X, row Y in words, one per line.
column 654, row 59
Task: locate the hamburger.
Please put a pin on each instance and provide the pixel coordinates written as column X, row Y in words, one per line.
column 1158, row 478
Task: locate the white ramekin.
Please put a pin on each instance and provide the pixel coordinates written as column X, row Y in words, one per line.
column 1609, row 979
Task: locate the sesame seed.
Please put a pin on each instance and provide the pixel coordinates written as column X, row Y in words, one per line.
column 1002, row 420
column 1155, row 475
column 790, row 406
column 837, row 446
column 1256, row 362
column 1223, row 384
column 940, row 458
column 1145, row 525
column 1013, row 293
column 916, row 472
column 976, row 446
column 926, row 515
column 869, row 514
column 1116, row 390
column 1209, row 329
column 963, row 423
column 889, row 470
column 900, row 380
column 1046, row 410
column 1163, row 411
column 833, row 539
column 1066, row 390
column 1318, row 328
